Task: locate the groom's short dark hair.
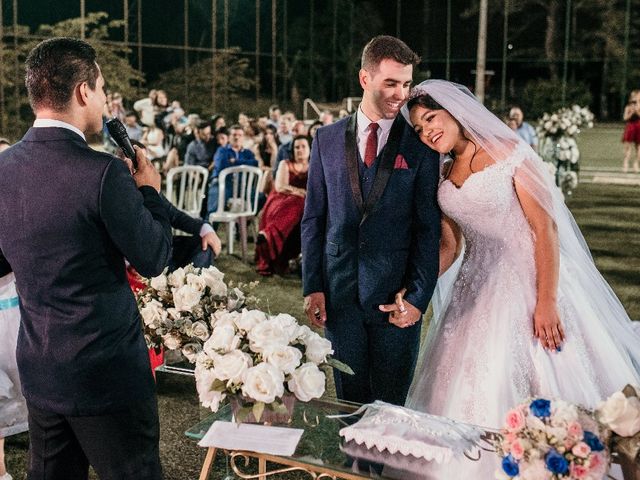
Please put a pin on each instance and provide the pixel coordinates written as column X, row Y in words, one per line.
column 385, row 47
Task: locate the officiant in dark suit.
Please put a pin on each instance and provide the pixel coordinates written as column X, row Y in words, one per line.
column 371, row 228
column 69, row 216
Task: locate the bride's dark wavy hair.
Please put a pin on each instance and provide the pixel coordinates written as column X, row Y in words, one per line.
column 425, row 100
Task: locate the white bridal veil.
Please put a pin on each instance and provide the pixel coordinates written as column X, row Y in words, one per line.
column 579, row 277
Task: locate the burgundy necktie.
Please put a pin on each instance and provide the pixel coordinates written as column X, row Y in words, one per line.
column 371, row 150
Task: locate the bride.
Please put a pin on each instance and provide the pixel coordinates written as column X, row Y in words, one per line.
column 524, row 312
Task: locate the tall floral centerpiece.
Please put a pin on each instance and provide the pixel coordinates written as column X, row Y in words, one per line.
column 179, row 309
column 261, row 363
column 558, row 147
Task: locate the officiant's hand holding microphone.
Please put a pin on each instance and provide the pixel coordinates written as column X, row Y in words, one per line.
column 401, row 313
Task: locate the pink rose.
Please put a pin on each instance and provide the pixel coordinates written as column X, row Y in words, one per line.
column 578, row 471
column 597, row 463
column 515, row 420
column 507, row 440
column 581, row 450
column 517, row 449
column 575, row 430
column 569, row 443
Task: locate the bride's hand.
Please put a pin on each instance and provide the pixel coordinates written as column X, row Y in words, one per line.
column 548, row 327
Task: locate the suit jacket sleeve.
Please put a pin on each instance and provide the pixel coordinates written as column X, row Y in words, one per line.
column 313, row 225
column 180, row 220
column 422, row 271
column 136, row 220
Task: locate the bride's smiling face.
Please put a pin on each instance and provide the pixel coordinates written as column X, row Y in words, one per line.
column 436, row 128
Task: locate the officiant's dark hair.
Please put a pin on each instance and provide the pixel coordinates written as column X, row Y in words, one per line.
column 54, row 67
column 385, row 47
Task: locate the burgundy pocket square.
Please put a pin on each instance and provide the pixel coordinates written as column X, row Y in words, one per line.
column 401, row 163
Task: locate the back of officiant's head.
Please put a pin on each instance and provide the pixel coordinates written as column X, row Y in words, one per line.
column 383, row 47
column 64, row 79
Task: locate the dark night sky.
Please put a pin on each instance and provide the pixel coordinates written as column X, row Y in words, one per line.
column 163, row 23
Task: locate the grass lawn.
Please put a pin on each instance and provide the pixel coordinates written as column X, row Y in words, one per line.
column 609, row 216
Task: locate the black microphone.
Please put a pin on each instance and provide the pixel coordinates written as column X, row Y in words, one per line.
column 120, row 136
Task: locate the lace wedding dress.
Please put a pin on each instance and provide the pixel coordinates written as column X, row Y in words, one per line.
column 481, row 358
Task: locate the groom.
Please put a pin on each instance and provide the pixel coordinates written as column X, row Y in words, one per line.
column 371, row 228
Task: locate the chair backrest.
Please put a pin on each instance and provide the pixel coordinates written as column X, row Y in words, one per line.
column 185, row 188
column 239, row 194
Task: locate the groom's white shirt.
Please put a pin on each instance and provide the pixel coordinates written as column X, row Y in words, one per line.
column 363, row 132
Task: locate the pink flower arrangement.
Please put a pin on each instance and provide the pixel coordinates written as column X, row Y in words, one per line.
column 552, row 440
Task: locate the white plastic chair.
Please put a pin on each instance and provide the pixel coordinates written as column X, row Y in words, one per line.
column 241, row 206
column 185, row 188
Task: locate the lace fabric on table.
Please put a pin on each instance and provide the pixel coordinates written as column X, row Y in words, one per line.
column 397, row 429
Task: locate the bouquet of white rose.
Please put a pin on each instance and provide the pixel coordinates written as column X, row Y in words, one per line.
column 558, row 146
column 178, row 309
column 258, row 360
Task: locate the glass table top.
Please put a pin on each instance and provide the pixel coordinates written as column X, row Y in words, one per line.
column 320, row 445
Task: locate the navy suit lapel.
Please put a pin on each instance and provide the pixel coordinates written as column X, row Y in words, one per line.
column 351, row 155
column 385, row 168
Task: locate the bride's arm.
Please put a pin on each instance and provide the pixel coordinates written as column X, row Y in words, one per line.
column 450, row 244
column 546, row 321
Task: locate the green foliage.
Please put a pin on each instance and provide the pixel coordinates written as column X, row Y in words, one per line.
column 118, row 73
column 540, row 96
column 233, row 81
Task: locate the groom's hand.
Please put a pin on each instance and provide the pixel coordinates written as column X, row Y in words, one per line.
column 314, row 307
column 401, row 313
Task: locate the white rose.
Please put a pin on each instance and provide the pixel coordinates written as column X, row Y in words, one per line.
column 263, row 383
column 191, row 351
column 307, row 382
column 223, row 339
column 204, row 380
column 534, row 423
column 232, row 366
column 177, row 277
column 224, row 317
column 153, row 313
column 200, row 330
column 534, row 470
column 172, row 341
column 620, row 414
column 289, row 324
column 196, row 282
column 317, row 349
column 563, row 413
column 249, row 319
column 286, row 359
column 186, row 297
column 159, row 282
column 265, row 335
column 174, row 313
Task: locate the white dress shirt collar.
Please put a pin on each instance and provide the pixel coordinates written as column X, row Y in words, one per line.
column 50, row 122
column 363, row 122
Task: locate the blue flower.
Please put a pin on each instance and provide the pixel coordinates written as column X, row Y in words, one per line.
column 510, row 466
column 556, row 463
column 541, row 408
column 593, row 441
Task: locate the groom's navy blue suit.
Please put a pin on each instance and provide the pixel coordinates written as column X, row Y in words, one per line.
column 367, row 233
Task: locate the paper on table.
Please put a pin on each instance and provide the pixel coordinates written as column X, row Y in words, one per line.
column 254, row 438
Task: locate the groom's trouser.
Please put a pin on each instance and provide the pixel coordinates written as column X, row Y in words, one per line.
column 119, row 445
column 382, row 355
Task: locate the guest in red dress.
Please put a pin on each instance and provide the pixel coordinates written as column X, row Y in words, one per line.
column 631, row 135
column 279, row 237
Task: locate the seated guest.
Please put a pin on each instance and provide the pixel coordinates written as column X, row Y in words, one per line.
column 267, row 153
column 231, row 155
column 200, row 151
column 279, row 237
column 202, row 244
column 134, row 130
column 284, row 151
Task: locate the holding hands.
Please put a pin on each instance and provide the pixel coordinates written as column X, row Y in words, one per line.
column 401, row 313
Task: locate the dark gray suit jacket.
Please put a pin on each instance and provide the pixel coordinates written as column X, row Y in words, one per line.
column 68, row 217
